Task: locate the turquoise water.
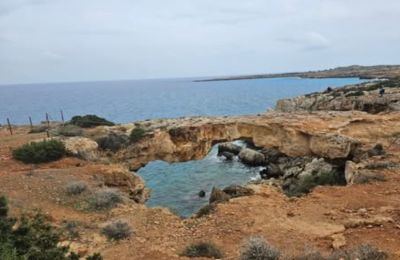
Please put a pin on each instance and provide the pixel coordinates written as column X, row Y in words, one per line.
column 126, row 101
column 177, row 185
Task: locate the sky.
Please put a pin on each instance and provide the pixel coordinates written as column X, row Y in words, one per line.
column 85, row 40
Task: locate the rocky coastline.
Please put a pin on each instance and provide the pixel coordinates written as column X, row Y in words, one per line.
column 316, row 151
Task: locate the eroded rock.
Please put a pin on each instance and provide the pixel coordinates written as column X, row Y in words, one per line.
column 235, row 191
column 229, row 147
column 81, row 147
column 271, row 171
column 251, row 157
column 332, row 146
column 228, row 156
column 218, row 196
column 126, row 181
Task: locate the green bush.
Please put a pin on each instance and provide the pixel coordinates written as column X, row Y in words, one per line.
column 117, row 230
column 40, row 152
column 88, row 121
column 202, row 249
column 113, row 142
column 31, row 238
column 137, row 134
column 256, row 248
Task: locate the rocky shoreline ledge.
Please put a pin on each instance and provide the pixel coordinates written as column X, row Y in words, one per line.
column 346, row 161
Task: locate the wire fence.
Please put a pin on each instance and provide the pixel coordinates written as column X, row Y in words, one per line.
column 47, row 119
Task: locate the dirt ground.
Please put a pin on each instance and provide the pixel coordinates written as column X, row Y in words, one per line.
column 346, row 216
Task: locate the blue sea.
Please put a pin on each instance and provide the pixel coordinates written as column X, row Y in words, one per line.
column 173, row 185
column 127, row 101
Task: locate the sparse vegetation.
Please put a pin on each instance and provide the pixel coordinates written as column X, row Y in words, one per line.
column 67, row 130
column 71, row 229
column 89, row 121
column 38, row 129
column 105, row 199
column 113, row 141
column 367, row 252
column 311, row 255
column 256, row 248
column 31, row 238
column 202, row 249
column 137, row 134
column 362, row 252
column 75, row 188
column 117, row 230
column 40, row 152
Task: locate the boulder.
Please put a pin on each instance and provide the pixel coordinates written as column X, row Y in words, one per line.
column 272, row 171
column 228, row 156
column 218, row 196
column 360, row 173
column 229, row 147
column 318, row 166
column 81, row 147
column 202, row 194
column 272, row 155
column 251, row 157
column 235, row 191
column 126, row 181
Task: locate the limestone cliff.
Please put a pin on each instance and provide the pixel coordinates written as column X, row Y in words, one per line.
column 332, row 135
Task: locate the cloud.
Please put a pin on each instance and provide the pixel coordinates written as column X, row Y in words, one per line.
column 52, row 56
column 309, row 41
column 9, row 6
column 103, row 39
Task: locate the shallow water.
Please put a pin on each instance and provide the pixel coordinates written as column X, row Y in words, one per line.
column 177, row 185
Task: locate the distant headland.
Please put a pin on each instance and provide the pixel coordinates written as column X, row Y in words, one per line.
column 362, row 72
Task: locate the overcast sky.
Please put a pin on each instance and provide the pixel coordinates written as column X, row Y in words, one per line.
column 80, row 40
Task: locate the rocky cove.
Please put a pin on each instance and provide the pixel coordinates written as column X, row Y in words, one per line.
column 328, row 179
column 297, row 151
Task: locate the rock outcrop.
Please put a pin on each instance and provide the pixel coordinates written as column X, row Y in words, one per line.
column 218, row 196
column 229, row 147
column 82, row 147
column 362, row 97
column 235, row 191
column 251, row 157
column 126, row 181
column 333, row 135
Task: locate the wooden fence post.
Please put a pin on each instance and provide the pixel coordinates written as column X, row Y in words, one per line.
column 30, row 122
column 9, row 126
column 62, row 116
column 48, row 125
